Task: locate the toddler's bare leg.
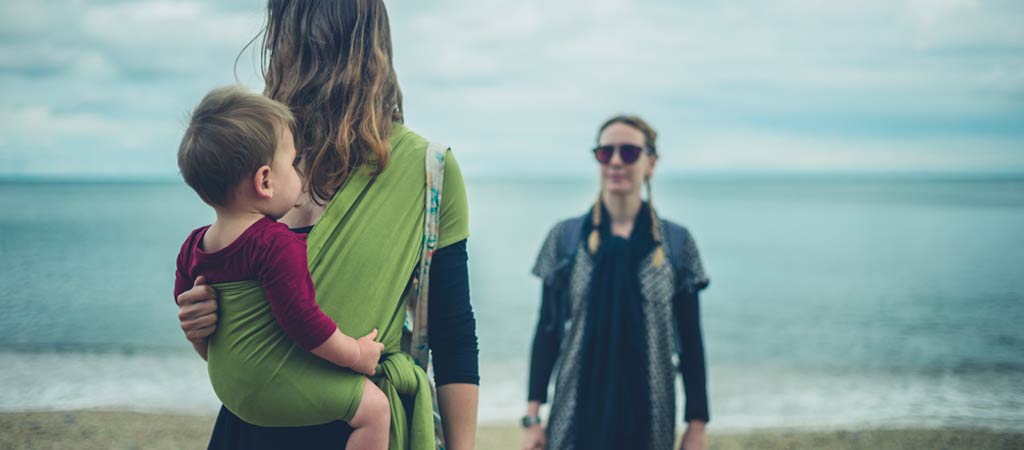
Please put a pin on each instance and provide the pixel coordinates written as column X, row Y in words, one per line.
column 372, row 420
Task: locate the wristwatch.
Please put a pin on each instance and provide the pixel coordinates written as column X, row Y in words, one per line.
column 529, row 421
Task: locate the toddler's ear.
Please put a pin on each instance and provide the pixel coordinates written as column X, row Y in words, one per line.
column 261, row 181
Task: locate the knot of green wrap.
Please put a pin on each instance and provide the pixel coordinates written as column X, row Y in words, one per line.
column 406, row 384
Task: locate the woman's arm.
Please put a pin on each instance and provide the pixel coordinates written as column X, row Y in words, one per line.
column 453, row 344
column 458, row 404
column 546, row 341
column 692, row 364
column 692, row 357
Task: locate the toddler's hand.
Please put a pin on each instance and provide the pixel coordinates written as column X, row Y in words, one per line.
column 369, row 354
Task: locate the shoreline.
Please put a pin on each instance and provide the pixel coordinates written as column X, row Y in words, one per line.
column 102, row 429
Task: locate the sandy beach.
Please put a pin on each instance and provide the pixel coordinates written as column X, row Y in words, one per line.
column 129, row 430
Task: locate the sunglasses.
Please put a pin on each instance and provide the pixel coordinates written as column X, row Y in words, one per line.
column 628, row 152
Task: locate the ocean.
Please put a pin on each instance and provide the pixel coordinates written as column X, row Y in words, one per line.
column 834, row 301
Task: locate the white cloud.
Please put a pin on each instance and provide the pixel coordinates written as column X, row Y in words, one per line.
column 930, row 14
column 170, row 25
column 41, row 122
column 853, row 84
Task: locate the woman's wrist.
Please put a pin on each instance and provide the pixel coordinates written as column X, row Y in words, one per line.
column 532, row 417
column 533, row 408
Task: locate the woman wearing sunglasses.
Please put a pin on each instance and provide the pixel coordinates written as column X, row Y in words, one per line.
column 620, row 298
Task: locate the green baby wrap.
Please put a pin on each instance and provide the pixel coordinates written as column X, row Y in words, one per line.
column 362, row 252
column 260, row 374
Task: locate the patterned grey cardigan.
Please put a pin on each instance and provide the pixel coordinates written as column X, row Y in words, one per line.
column 572, row 269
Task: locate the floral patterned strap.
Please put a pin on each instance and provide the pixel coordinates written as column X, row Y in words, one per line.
column 419, row 295
column 416, row 321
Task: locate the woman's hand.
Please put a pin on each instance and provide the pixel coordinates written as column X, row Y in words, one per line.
column 534, row 438
column 693, row 438
column 197, row 311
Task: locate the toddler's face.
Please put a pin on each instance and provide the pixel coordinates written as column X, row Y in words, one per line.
column 285, row 176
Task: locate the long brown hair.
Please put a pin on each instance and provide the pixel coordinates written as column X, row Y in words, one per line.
column 650, row 140
column 330, row 61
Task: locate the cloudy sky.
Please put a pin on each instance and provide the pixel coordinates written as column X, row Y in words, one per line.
column 101, row 88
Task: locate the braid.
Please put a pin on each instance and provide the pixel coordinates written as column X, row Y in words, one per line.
column 594, row 240
column 659, row 250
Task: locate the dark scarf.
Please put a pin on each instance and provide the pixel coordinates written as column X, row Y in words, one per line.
column 613, row 401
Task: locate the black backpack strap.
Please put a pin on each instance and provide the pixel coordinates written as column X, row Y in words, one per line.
column 675, row 238
column 572, row 235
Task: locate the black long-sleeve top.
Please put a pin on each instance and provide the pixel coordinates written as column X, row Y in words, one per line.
column 453, row 345
column 686, row 307
column 452, row 338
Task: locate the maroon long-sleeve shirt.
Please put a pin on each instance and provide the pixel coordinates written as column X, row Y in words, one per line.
column 269, row 252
